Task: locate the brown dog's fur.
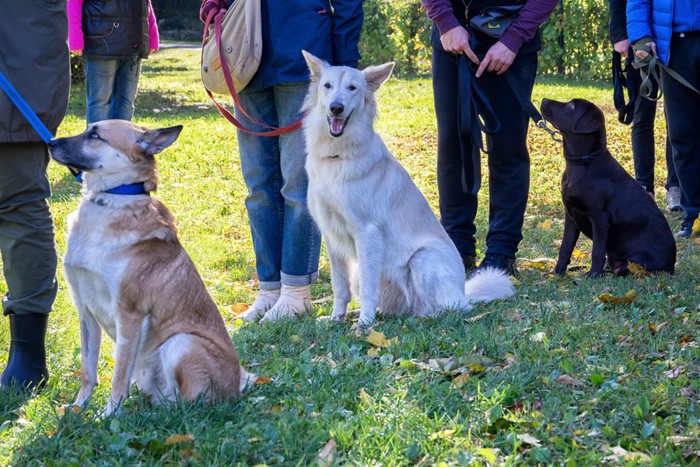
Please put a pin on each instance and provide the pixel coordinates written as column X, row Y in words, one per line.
column 130, row 276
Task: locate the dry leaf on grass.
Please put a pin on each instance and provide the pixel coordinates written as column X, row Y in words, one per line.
column 326, row 454
column 610, row 298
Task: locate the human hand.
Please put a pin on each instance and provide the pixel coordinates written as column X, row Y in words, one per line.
column 499, row 58
column 643, row 53
column 622, row 47
column 77, row 53
column 456, row 41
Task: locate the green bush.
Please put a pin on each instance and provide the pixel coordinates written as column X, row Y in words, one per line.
column 575, row 38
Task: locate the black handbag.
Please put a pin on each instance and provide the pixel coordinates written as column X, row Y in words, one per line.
column 493, row 21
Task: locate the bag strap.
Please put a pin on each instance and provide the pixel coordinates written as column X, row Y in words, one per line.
column 217, row 16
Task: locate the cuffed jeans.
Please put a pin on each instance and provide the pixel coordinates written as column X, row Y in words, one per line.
column 286, row 240
column 26, row 229
column 682, row 106
column 111, row 87
column 508, row 158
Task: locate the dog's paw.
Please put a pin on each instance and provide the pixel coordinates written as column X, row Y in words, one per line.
column 361, row 330
column 594, row 274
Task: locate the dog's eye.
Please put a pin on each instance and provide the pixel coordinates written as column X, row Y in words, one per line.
column 94, row 135
column 352, row 87
column 327, row 85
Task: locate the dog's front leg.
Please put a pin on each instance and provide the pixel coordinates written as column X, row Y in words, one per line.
column 90, row 340
column 601, row 229
column 568, row 243
column 340, row 281
column 129, row 326
column 370, row 255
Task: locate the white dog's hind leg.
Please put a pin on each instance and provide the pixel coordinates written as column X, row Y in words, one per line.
column 487, row 285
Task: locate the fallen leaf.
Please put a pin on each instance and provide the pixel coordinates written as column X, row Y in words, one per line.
column 687, row 393
column 637, row 270
column 263, row 380
column 628, row 298
column 476, row 318
column 238, row 308
column 678, row 440
column 177, row 439
column 276, row 409
column 441, row 434
column 529, row 439
column 460, row 380
column 684, row 339
column 569, row 381
column 373, row 352
column 377, row 339
column 488, row 454
column 365, row 399
column 294, row 338
column 326, row 454
column 538, row 337
column 542, row 264
column 673, row 373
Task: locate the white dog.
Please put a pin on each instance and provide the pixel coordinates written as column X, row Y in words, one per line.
column 129, row 276
column 371, row 214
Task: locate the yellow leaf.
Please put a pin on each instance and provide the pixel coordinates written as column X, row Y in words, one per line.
column 238, row 308
column 488, row 454
column 176, row 439
column 546, row 225
column 393, row 341
column 628, row 298
column 276, row 409
column 441, row 434
column 460, row 380
column 476, row 368
column 365, row 399
column 294, row 338
column 377, row 339
column 578, row 254
column 637, row 270
column 373, row 352
column 696, row 227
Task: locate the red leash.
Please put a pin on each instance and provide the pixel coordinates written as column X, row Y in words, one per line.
column 218, row 15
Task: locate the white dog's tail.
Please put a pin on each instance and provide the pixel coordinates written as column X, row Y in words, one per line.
column 487, row 285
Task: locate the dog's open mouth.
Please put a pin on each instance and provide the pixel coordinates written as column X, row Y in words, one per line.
column 336, row 125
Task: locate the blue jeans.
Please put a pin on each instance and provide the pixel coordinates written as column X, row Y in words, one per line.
column 286, row 240
column 111, row 87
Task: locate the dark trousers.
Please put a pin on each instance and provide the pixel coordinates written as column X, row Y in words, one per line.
column 643, row 147
column 508, row 158
column 26, row 229
column 682, row 105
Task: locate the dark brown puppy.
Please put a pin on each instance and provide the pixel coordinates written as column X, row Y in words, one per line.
column 603, row 201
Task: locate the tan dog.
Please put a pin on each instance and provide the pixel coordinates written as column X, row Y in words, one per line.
column 129, row 275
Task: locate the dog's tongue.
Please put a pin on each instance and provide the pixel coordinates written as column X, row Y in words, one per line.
column 337, row 125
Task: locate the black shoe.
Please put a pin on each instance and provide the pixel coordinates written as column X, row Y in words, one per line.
column 26, row 365
column 469, row 263
column 686, row 229
column 499, row 261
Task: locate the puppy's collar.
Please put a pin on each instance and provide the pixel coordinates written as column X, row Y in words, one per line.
column 130, row 189
column 585, row 159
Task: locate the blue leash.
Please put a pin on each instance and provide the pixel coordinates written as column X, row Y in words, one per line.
column 46, row 137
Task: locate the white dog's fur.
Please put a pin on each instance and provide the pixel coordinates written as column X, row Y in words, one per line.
column 371, row 214
column 129, row 276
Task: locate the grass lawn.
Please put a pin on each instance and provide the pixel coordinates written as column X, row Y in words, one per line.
column 553, row 376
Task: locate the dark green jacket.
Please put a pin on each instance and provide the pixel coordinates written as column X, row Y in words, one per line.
column 34, row 58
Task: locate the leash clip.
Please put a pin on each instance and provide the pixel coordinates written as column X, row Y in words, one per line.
column 554, row 134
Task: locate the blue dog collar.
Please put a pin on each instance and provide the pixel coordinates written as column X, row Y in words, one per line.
column 130, row 189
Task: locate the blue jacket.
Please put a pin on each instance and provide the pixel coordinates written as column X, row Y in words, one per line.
column 660, row 19
column 290, row 26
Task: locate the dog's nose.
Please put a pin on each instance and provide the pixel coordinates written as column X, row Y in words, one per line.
column 337, row 108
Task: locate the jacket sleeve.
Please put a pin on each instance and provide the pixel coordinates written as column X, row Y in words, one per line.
column 442, row 14
column 638, row 19
column 74, row 9
column 530, row 18
column 618, row 20
column 346, row 26
column 153, row 37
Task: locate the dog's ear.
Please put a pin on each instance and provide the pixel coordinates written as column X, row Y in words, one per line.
column 154, row 141
column 591, row 121
column 377, row 74
column 315, row 64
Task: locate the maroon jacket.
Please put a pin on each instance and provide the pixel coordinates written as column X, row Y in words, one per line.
column 523, row 29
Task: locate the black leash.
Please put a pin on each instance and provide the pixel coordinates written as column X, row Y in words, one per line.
column 624, row 80
column 650, row 68
column 528, row 106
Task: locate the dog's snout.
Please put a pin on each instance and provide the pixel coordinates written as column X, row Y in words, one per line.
column 337, row 108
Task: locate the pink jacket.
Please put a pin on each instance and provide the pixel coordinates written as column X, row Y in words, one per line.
column 76, row 40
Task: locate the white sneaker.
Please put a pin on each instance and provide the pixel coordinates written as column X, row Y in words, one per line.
column 293, row 300
column 265, row 300
column 673, row 199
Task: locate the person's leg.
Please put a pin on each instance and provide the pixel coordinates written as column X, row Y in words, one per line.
column 457, row 208
column 643, row 151
column 125, row 88
column 99, row 87
column 301, row 238
column 29, row 259
column 681, row 107
column 509, row 160
column 260, row 164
